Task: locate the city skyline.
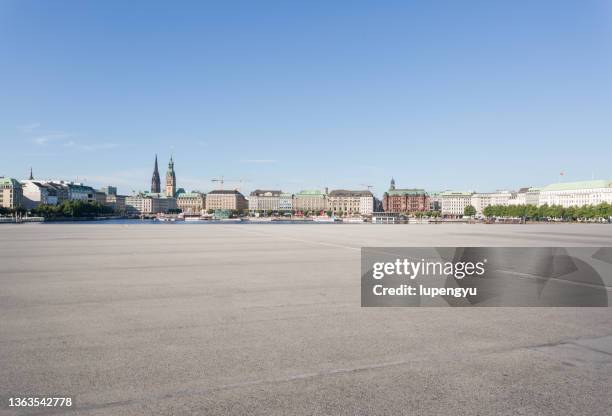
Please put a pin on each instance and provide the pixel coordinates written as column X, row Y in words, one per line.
column 307, row 96
column 215, row 184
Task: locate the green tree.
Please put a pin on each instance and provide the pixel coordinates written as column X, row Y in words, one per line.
column 469, row 211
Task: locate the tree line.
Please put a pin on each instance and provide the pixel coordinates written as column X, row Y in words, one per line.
column 543, row 212
column 73, row 209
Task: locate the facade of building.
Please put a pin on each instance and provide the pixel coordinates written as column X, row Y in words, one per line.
column 310, row 201
column 264, row 200
column 11, row 193
column 155, row 181
column 149, row 203
column 36, row 193
column 482, row 200
column 285, row 202
column 341, row 201
column 75, row 191
column 117, row 202
column 572, row 194
column 405, row 200
column 226, row 200
column 170, row 180
column 533, row 197
column 519, row 198
column 453, row 203
column 192, row 203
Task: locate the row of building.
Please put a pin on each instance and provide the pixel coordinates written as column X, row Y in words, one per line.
column 30, row 193
column 565, row 194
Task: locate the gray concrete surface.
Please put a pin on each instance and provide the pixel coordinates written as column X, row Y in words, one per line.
column 265, row 319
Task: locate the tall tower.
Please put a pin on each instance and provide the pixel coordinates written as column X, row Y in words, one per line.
column 31, row 176
column 170, row 179
column 392, row 184
column 155, row 182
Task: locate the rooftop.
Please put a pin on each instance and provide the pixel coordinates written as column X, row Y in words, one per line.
column 10, row 181
column 190, row 195
column 224, row 192
column 263, row 192
column 347, row 193
column 402, row 192
column 569, row 186
column 310, row 192
column 456, row 193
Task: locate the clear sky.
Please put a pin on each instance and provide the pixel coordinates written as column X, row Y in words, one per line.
column 478, row 95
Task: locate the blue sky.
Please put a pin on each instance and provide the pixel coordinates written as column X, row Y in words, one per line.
column 295, row 95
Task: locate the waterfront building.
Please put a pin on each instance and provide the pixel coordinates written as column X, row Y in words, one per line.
column 519, row 198
column 226, row 200
column 350, row 202
column 170, row 180
column 285, row 202
column 533, row 196
column 117, row 202
column 11, row 193
column 482, row 200
column 191, row 203
column 310, row 201
column 149, row 203
column 264, row 200
column 155, row 181
column 405, row 200
column 36, row 193
column 76, row 191
column 453, row 203
column 572, row 194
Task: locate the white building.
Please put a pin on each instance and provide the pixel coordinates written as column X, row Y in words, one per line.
column 77, row 191
column 533, row 196
column 36, row 193
column 482, row 200
column 285, row 202
column 262, row 200
column 149, row 203
column 572, row 194
column 11, row 193
column 454, row 203
column 366, row 204
column 350, row 202
column 519, row 198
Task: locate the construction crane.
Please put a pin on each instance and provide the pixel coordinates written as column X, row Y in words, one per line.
column 221, row 180
column 367, row 186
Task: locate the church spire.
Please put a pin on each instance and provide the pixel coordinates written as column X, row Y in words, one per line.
column 155, row 182
column 31, row 176
column 170, row 179
column 392, row 184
